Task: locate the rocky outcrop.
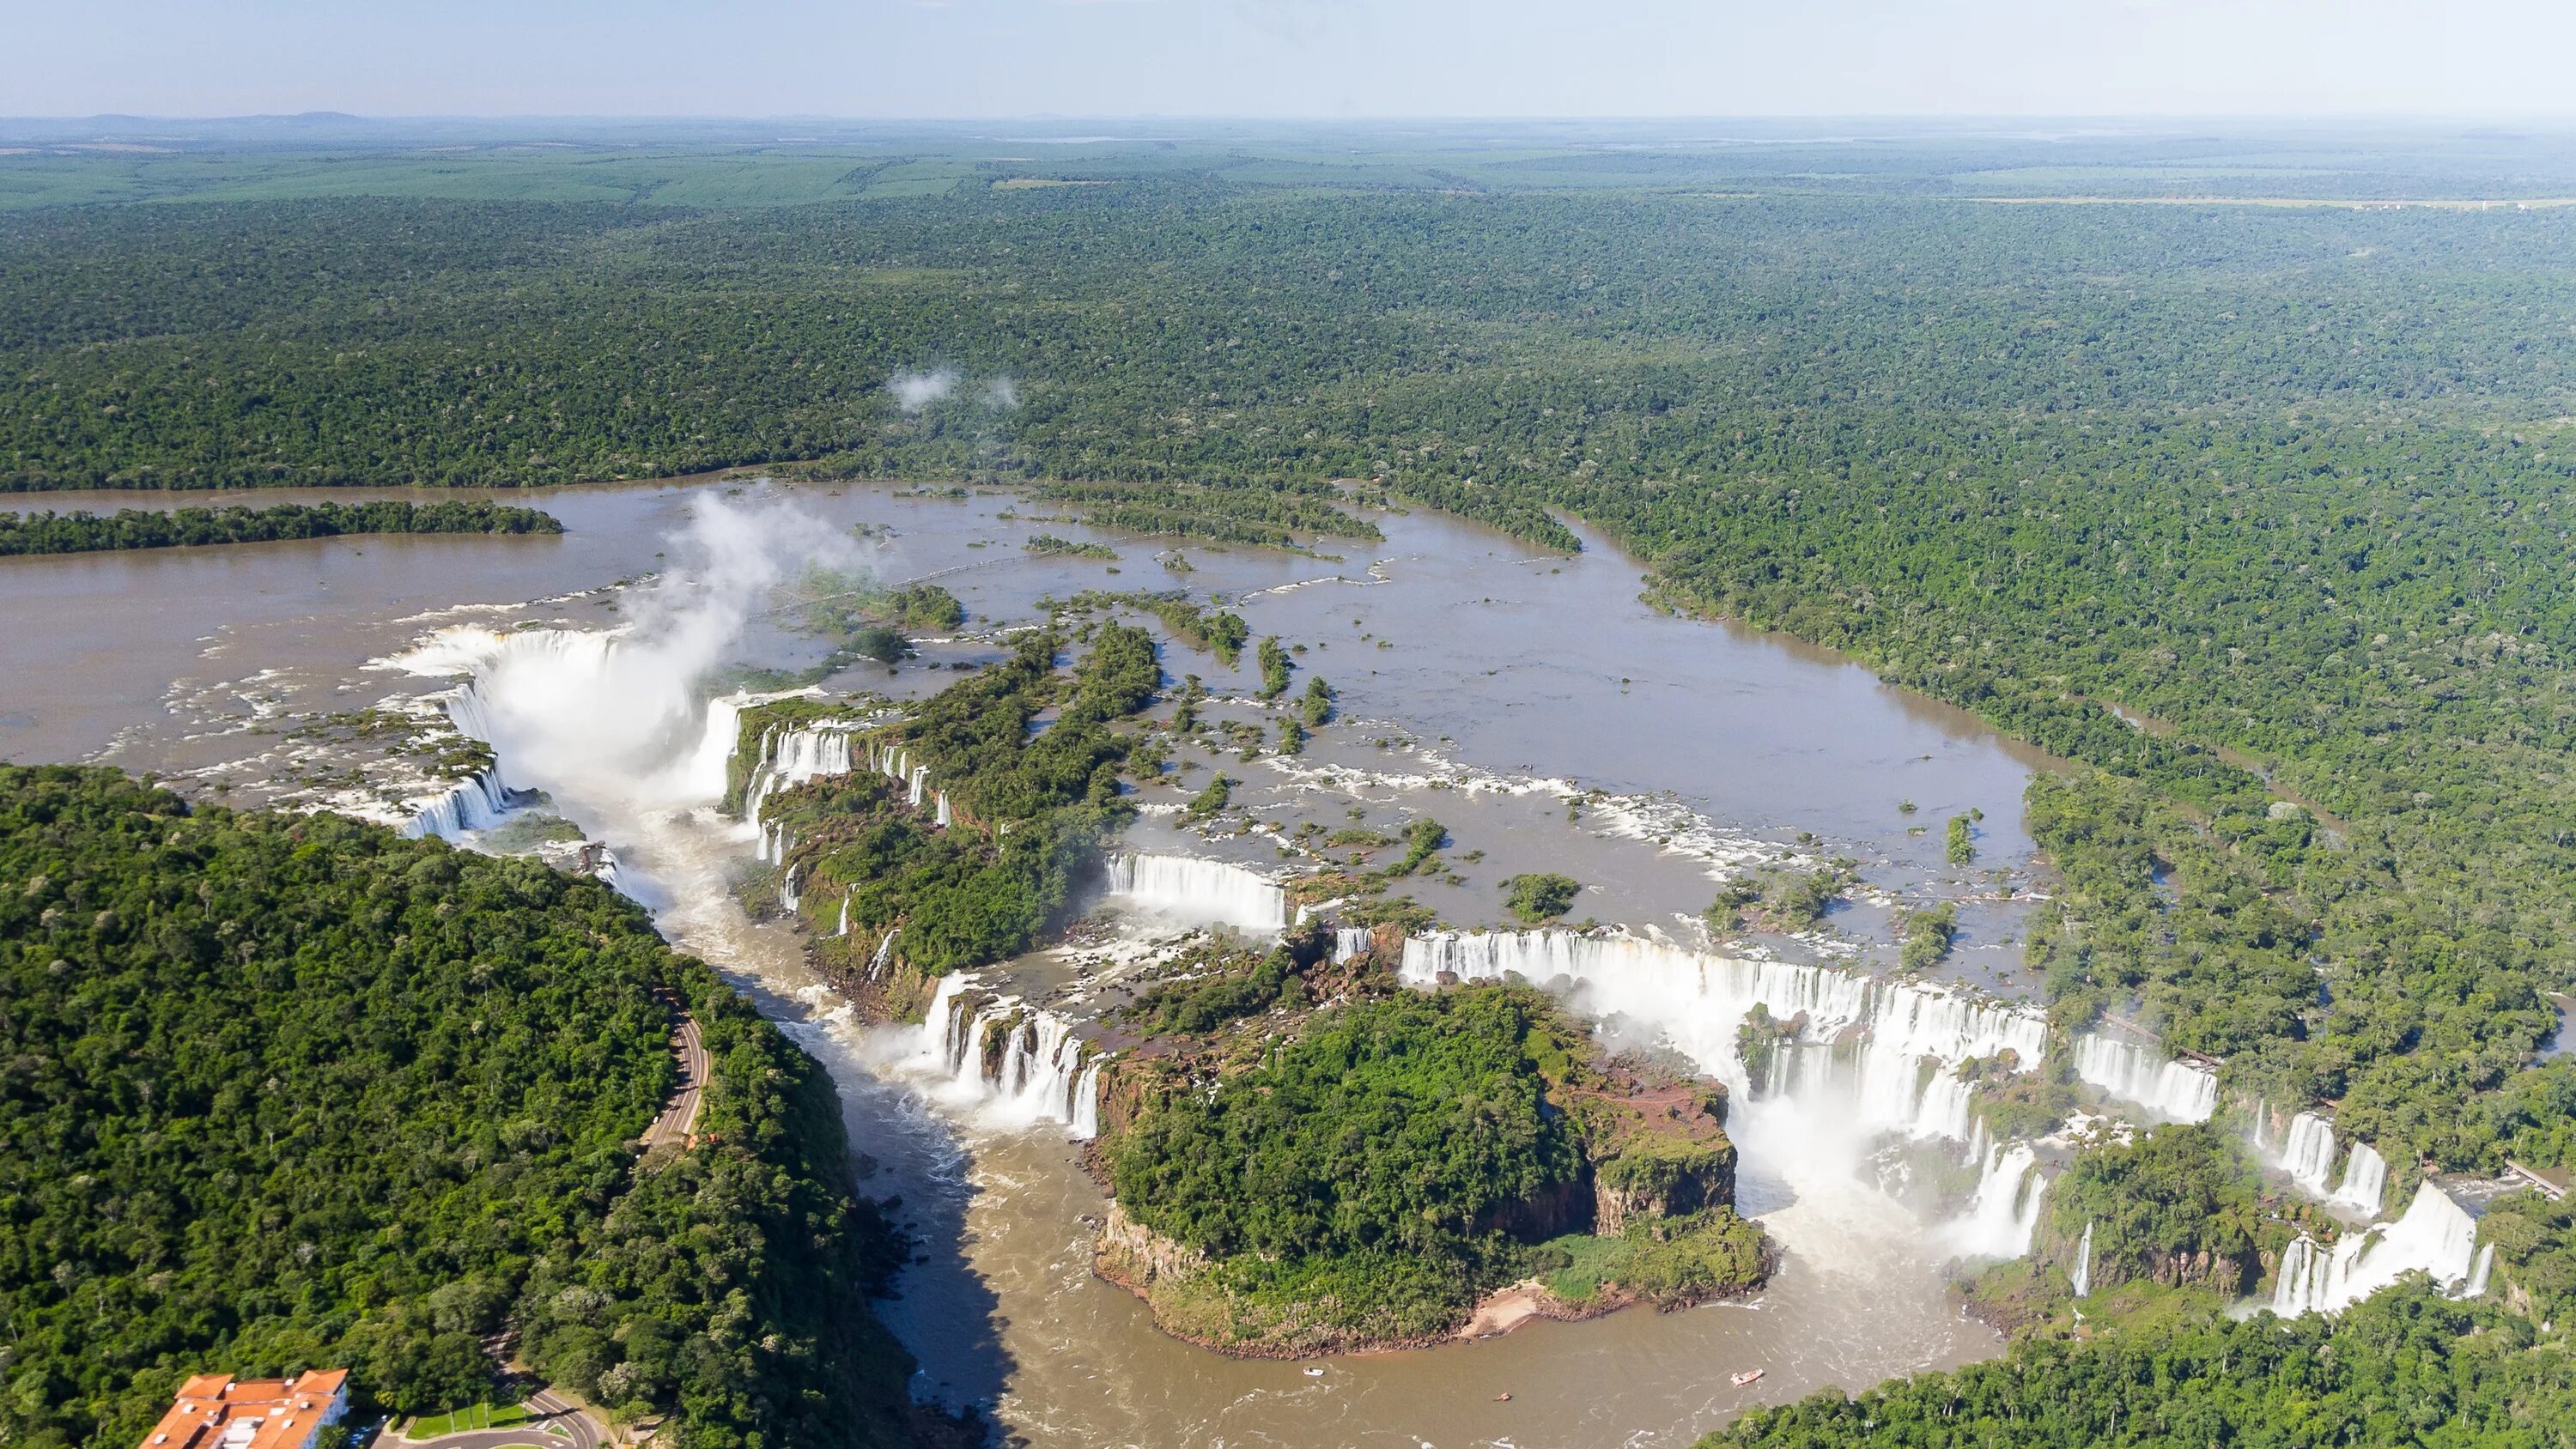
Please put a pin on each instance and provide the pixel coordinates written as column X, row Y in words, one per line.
column 1135, row 1257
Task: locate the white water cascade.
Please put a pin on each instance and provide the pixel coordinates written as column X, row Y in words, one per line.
column 477, row 803
column 2083, row 1274
column 2436, row 1237
column 2308, row 1155
column 2005, row 1211
column 1890, row 1049
column 2136, row 1072
column 2365, row 1180
column 1020, row 1062
column 793, row 756
column 1350, row 941
column 1200, row 892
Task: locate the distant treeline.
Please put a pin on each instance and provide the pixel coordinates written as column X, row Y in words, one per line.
column 140, row 528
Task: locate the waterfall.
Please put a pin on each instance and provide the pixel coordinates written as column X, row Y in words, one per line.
column 1086, row 1101
column 1891, row 1049
column 2005, row 1211
column 2365, row 1180
column 471, row 804
column 792, row 756
column 2138, row 1073
column 2436, row 1237
column 788, row 899
column 1037, row 1069
column 843, row 929
column 1349, row 942
column 2309, row 1154
column 2083, row 1274
column 1201, row 892
column 885, row 950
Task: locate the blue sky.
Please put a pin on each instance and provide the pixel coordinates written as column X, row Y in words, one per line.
column 1289, row 58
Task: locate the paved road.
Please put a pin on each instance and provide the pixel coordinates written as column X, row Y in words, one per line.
column 680, row 1118
column 580, row 1431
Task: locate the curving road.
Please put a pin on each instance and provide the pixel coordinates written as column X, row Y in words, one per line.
column 550, row 1411
column 680, row 1118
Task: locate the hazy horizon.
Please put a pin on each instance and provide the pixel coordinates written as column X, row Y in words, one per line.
column 1299, row 60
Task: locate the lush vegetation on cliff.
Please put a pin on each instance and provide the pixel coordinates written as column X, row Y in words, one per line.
column 2405, row 1367
column 292, row 1091
column 1030, row 806
column 1365, row 1173
column 23, row 533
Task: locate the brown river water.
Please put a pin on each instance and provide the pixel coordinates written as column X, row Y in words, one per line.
column 1510, row 686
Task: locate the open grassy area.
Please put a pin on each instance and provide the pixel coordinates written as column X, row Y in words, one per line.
column 476, row 1416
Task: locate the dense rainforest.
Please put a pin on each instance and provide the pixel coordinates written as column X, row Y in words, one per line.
column 291, row 1091
column 24, row 533
column 2406, row 1367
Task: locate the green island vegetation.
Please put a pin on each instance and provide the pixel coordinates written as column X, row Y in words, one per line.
column 862, row 618
column 1048, row 543
column 34, row 533
column 292, row 1091
column 1372, row 1162
column 1927, row 936
column 1030, row 808
column 1535, row 898
column 2255, row 515
column 1214, row 630
column 1776, row 898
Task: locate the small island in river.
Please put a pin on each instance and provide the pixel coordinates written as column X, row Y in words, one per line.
column 1308, row 1158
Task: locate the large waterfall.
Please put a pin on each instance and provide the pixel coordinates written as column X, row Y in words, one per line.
column 1889, row 1049
column 2005, row 1210
column 1200, row 892
column 1020, row 1062
column 2135, row 1072
column 2436, row 1237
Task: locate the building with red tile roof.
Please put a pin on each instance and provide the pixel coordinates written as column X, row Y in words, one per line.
column 218, row 1411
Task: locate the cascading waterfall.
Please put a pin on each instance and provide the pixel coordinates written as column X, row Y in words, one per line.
column 2308, row 1153
column 2436, row 1237
column 2135, row 1072
column 1890, row 1048
column 788, row 899
column 1349, row 942
column 1041, row 1071
column 843, row 929
column 1201, row 892
column 477, row 803
column 2083, row 1275
column 884, row 952
column 2005, row 1211
column 2365, row 1180
column 795, row 756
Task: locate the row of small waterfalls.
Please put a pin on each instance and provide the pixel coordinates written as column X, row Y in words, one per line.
column 1834, row 1045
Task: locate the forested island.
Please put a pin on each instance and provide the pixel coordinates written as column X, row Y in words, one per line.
column 1307, row 1158
column 290, row 1091
column 34, row 533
